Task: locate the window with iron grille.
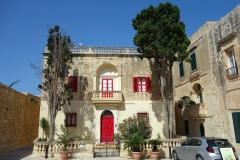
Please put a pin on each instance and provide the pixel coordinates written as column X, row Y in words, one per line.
column 70, row 119
column 232, row 68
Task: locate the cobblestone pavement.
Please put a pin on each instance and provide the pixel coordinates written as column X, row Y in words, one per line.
column 24, row 153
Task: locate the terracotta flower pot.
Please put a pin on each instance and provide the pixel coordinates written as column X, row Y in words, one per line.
column 64, row 155
column 136, row 155
column 154, row 155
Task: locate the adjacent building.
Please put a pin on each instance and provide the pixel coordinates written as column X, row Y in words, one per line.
column 207, row 90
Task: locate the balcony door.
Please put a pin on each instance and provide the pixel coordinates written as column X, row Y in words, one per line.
column 107, row 88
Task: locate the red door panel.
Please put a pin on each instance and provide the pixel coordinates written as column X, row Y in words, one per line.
column 107, row 128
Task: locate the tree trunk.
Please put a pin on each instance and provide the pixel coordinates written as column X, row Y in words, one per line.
column 165, row 107
column 42, row 133
column 52, row 129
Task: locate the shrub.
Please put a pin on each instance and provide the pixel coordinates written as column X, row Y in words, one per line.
column 133, row 125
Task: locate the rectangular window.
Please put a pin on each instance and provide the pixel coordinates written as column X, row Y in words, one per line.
column 181, row 70
column 70, row 119
column 193, row 62
column 72, row 81
column 232, row 69
column 141, row 84
column 236, row 125
column 143, row 117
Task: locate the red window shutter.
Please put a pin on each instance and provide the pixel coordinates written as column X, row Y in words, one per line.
column 73, row 82
column 135, row 85
column 148, row 86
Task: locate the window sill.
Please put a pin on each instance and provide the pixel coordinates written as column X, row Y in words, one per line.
column 71, row 126
column 234, row 76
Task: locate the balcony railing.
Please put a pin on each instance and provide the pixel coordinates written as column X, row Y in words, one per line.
column 195, row 75
column 107, row 96
column 231, row 71
column 76, row 148
column 104, row 50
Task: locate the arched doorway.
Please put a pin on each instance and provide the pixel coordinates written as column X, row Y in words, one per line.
column 202, row 132
column 107, row 126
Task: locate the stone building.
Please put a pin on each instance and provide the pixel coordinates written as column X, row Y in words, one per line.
column 19, row 114
column 207, row 90
column 109, row 84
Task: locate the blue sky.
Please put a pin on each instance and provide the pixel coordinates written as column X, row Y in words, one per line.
column 24, row 26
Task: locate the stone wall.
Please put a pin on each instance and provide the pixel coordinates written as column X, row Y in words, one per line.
column 19, row 118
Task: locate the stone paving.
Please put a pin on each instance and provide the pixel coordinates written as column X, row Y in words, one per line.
column 24, row 153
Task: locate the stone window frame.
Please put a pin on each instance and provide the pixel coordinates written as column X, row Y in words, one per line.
column 229, row 43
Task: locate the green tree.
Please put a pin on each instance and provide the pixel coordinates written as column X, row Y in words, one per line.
column 55, row 71
column 161, row 36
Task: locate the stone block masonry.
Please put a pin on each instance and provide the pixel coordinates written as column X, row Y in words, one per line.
column 19, row 118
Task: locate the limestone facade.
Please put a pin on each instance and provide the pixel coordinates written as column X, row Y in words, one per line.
column 93, row 64
column 19, row 114
column 214, row 85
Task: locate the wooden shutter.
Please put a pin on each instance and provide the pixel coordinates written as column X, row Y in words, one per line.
column 236, row 125
column 73, row 83
column 181, row 69
column 148, row 85
column 193, row 63
column 135, row 85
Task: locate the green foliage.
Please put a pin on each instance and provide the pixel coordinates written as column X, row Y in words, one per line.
column 132, row 125
column 161, row 34
column 43, row 123
column 134, row 142
column 189, row 101
column 155, row 142
column 65, row 138
column 84, row 138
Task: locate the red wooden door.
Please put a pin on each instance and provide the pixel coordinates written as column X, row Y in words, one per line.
column 107, row 88
column 107, row 128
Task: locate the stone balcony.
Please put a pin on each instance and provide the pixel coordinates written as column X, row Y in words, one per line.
column 194, row 75
column 107, row 97
column 195, row 111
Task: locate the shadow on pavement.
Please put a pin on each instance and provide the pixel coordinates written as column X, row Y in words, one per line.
column 18, row 153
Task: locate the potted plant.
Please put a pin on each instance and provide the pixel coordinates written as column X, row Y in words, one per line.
column 154, row 142
column 64, row 139
column 134, row 143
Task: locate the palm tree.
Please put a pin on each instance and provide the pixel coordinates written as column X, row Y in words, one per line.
column 43, row 124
